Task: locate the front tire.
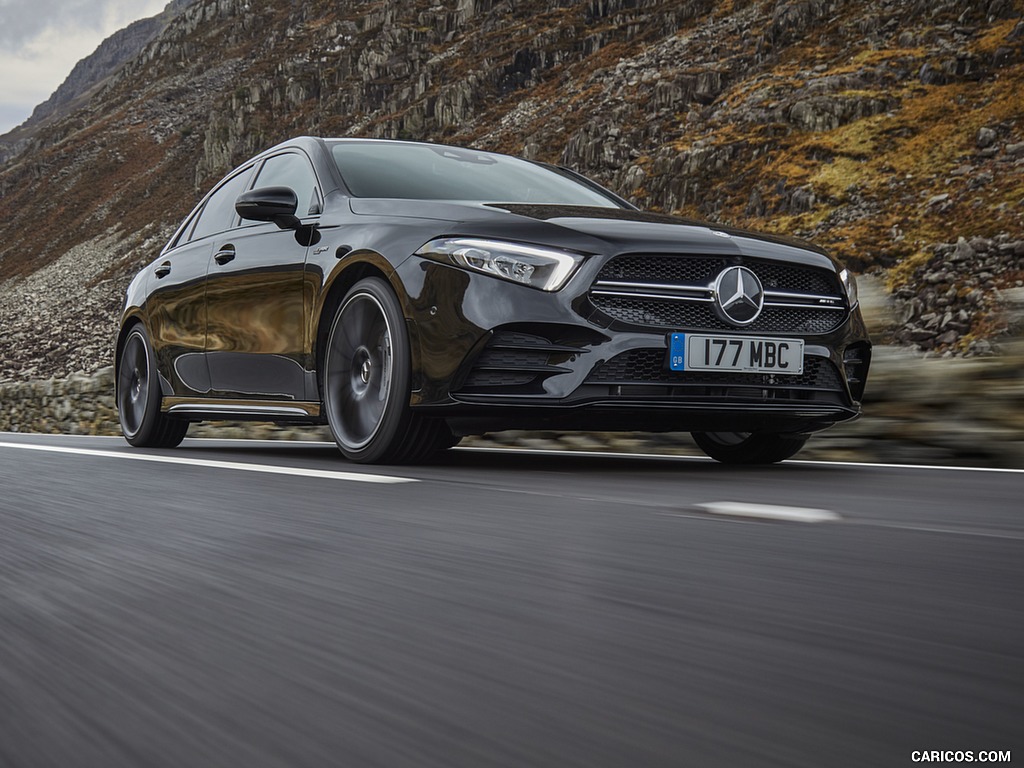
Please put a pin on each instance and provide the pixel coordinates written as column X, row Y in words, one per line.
column 366, row 375
column 749, row 447
column 138, row 397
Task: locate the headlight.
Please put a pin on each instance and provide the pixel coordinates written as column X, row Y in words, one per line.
column 544, row 268
column 849, row 285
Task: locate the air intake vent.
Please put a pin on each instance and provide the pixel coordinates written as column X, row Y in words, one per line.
column 648, row 366
column 856, row 360
column 517, row 360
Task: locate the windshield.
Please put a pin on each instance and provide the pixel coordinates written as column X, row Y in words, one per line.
column 430, row 172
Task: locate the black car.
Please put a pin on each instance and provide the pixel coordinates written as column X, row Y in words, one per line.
column 407, row 294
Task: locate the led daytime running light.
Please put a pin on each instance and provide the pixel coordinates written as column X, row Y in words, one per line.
column 545, row 268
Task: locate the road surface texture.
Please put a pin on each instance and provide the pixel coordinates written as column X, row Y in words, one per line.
column 265, row 604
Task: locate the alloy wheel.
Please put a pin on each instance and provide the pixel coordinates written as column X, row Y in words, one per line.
column 359, row 371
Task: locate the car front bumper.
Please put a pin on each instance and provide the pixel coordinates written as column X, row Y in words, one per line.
column 489, row 354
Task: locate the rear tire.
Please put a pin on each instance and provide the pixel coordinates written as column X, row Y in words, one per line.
column 139, row 397
column 365, row 382
column 749, row 447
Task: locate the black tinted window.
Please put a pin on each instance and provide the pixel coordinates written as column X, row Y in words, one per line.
column 292, row 171
column 425, row 172
column 219, row 212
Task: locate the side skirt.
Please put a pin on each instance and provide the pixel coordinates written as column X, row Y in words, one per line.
column 197, row 409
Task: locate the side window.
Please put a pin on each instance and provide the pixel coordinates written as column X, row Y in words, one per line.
column 219, row 212
column 184, row 230
column 295, row 172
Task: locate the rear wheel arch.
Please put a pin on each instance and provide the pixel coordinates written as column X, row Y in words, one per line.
column 138, row 394
column 127, row 326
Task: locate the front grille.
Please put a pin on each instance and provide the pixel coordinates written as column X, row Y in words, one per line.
column 663, row 269
column 676, row 292
column 784, row 277
column 647, row 366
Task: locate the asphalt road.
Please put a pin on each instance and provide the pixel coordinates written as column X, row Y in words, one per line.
column 261, row 604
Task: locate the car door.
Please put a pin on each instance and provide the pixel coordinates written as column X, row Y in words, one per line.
column 177, row 304
column 255, row 336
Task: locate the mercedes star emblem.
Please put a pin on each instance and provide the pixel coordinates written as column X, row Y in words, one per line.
column 739, row 296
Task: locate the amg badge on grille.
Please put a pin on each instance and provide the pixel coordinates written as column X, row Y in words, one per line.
column 739, row 296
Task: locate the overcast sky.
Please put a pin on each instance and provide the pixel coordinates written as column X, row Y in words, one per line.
column 42, row 40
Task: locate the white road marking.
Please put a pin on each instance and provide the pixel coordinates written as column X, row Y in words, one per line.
column 555, row 452
column 879, row 465
column 705, row 460
column 862, row 524
column 327, row 474
column 769, row 512
column 196, row 441
column 936, row 529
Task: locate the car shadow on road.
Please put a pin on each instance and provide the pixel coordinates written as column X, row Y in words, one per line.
column 326, row 456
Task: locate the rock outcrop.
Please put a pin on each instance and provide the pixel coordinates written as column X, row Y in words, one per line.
column 121, row 47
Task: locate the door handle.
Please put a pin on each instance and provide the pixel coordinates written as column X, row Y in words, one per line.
column 225, row 254
column 163, row 270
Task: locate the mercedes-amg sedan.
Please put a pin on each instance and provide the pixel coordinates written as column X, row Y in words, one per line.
column 407, row 294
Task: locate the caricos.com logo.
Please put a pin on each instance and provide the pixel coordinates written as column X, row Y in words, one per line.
column 959, row 756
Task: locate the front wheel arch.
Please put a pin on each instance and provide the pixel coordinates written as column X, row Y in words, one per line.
column 365, row 381
column 334, row 293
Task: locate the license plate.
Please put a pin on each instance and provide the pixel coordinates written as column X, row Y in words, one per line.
column 747, row 354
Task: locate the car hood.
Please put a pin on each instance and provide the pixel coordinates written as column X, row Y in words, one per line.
column 595, row 229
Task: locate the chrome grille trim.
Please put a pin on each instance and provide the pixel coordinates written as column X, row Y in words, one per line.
column 618, row 287
column 707, row 293
column 649, row 295
column 804, row 296
column 802, row 305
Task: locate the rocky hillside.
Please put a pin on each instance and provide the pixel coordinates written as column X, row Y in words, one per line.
column 891, row 131
column 89, row 73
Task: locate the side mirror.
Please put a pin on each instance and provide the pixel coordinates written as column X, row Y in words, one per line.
column 276, row 204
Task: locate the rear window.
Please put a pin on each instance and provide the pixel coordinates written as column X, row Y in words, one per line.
column 427, row 172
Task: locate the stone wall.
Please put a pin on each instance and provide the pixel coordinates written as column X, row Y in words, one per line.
column 917, row 409
column 934, row 410
column 78, row 405
column 83, row 404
